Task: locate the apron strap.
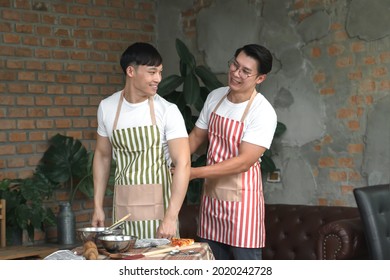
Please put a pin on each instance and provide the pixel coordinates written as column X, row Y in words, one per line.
column 249, row 105
column 151, row 108
column 118, row 110
column 246, row 108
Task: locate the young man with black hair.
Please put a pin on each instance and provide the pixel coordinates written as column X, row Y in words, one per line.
column 145, row 134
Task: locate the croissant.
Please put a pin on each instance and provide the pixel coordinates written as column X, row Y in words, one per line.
column 90, row 251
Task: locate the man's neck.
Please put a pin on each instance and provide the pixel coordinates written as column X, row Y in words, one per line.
column 239, row 96
column 131, row 97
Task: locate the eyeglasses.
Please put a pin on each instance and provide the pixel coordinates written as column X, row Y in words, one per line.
column 243, row 73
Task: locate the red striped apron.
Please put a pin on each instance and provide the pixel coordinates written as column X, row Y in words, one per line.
column 232, row 208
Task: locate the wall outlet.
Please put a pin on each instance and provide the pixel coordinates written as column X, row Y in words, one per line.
column 273, row 177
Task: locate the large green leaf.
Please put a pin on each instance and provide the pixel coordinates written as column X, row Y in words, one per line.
column 185, row 54
column 202, row 98
column 64, row 160
column 208, row 78
column 191, row 89
column 267, row 163
column 85, row 185
column 169, row 84
column 181, row 102
column 22, row 216
column 177, row 98
column 29, row 191
column 36, row 217
column 187, row 115
column 184, row 68
column 280, row 129
column 43, row 184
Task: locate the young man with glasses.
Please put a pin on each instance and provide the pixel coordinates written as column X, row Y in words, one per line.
column 239, row 124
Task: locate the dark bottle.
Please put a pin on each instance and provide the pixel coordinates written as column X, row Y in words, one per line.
column 66, row 225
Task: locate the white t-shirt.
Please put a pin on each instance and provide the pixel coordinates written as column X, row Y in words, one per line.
column 169, row 120
column 259, row 124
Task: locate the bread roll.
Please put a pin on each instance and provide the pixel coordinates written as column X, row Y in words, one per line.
column 89, row 244
column 90, row 251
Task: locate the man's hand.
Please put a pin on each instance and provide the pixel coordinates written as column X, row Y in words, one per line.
column 98, row 218
column 167, row 228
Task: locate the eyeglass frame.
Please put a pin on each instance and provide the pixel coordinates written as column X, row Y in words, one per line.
column 234, row 62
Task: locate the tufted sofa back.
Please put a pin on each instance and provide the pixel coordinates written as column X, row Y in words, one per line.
column 293, row 231
column 300, row 231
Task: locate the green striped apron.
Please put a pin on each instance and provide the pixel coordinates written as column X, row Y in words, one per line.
column 142, row 177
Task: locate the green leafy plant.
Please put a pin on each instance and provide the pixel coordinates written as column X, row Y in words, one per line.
column 68, row 164
column 25, row 204
column 190, row 100
column 267, row 163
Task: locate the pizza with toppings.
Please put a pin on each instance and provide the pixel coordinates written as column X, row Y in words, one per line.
column 182, row 241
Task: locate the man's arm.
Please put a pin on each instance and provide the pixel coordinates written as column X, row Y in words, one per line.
column 197, row 137
column 248, row 154
column 101, row 173
column 180, row 154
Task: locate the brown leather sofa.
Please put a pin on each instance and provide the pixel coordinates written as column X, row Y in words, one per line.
column 301, row 232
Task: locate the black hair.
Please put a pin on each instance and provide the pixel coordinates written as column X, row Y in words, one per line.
column 261, row 54
column 140, row 54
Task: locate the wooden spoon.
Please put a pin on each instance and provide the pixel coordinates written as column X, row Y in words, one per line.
column 117, row 223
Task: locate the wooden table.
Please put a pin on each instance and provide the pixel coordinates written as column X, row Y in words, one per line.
column 26, row 252
column 201, row 252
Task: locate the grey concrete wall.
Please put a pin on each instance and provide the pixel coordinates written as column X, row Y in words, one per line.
column 329, row 85
column 168, row 29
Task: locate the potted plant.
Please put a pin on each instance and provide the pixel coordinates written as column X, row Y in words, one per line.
column 190, row 102
column 64, row 163
column 25, row 206
column 68, row 165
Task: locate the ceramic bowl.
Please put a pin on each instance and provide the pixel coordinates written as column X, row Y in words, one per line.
column 117, row 243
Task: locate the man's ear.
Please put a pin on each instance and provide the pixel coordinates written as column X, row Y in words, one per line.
column 130, row 70
column 261, row 78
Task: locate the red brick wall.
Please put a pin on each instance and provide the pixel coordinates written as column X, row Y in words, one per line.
column 58, row 60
